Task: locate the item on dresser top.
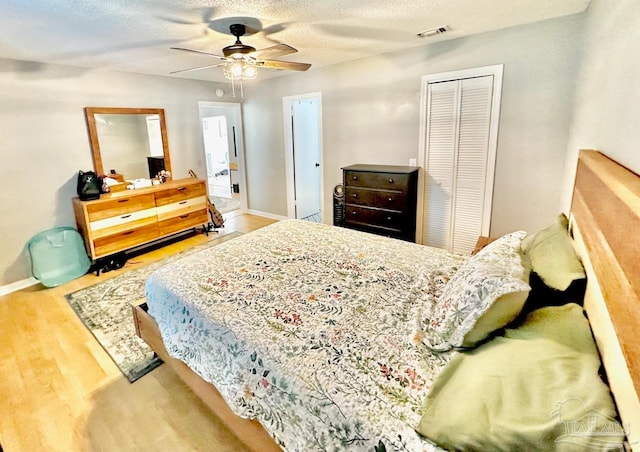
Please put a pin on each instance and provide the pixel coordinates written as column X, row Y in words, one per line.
column 164, row 176
column 141, row 183
column 381, row 199
column 89, row 185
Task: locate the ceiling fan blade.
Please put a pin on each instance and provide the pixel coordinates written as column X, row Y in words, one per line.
column 196, row 68
column 290, row 65
column 198, row 51
column 274, row 51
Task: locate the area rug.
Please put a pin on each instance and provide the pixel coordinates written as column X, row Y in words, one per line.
column 105, row 310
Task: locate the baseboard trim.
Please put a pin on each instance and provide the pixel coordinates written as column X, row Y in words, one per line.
column 15, row 286
column 266, row 215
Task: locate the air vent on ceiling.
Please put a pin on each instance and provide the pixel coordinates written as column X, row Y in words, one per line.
column 433, row 32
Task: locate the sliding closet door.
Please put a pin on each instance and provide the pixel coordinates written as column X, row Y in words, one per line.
column 459, row 161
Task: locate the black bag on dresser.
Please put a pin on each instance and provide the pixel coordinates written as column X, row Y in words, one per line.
column 89, row 185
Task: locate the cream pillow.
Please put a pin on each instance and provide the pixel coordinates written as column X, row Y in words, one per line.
column 484, row 295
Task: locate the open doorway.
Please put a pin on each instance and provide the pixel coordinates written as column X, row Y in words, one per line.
column 303, row 141
column 222, row 139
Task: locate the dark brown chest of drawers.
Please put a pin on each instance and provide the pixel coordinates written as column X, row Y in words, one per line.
column 381, row 199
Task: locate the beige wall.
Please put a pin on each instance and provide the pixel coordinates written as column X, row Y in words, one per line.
column 607, row 107
column 563, row 89
column 371, row 115
column 44, row 141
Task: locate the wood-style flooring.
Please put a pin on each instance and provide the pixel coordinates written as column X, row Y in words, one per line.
column 60, row 391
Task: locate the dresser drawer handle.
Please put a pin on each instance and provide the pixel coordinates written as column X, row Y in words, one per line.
column 184, row 216
column 181, row 188
column 390, row 199
column 128, row 232
column 125, row 216
column 355, row 177
column 354, row 213
column 389, row 218
column 182, row 202
column 355, row 195
column 123, row 200
column 391, row 181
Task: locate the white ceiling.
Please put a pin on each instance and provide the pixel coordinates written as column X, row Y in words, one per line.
column 135, row 35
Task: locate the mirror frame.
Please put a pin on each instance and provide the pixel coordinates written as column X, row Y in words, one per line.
column 90, row 113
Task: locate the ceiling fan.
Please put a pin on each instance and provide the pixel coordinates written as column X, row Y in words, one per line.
column 241, row 61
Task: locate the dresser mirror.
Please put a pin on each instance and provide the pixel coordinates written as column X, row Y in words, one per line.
column 128, row 143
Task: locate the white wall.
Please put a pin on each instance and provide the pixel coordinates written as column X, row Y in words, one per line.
column 607, row 107
column 44, row 141
column 371, row 115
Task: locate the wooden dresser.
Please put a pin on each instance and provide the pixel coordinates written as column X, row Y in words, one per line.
column 125, row 219
column 381, row 199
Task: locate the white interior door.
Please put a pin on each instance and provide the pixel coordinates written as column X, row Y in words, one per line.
column 304, row 145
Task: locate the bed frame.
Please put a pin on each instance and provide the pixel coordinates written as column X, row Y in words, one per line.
column 605, row 222
column 605, row 218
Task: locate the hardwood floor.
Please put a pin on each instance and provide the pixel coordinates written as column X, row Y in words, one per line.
column 60, row 391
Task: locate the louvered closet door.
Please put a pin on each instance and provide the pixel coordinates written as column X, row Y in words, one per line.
column 458, row 122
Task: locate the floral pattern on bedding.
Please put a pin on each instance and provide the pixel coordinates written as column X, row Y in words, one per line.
column 311, row 329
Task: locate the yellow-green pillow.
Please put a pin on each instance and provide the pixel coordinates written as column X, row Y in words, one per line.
column 524, row 391
column 552, row 256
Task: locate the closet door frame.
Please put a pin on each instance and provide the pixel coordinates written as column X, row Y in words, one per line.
column 495, row 71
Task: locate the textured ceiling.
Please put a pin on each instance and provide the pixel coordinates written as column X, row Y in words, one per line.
column 135, row 35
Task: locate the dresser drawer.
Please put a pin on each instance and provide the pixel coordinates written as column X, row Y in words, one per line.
column 119, row 240
column 375, row 218
column 384, row 199
column 183, row 207
column 183, row 221
column 123, row 220
column 390, row 181
column 119, row 206
column 180, row 193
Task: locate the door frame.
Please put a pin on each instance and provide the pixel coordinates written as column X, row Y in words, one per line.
column 236, row 109
column 287, row 101
column 494, row 70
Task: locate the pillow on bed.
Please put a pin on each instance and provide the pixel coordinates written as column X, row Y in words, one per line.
column 552, row 256
column 557, row 275
column 484, row 295
column 527, row 390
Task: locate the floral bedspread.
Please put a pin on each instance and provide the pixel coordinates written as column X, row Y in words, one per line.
column 311, row 329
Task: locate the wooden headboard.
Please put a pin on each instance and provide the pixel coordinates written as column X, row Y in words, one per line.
column 605, row 215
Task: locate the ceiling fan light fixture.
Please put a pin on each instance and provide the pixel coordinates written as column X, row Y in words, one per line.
column 241, row 69
column 241, row 62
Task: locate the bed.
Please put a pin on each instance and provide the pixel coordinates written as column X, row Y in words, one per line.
column 333, row 338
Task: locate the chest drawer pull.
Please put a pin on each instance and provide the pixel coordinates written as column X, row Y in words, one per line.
column 355, row 195
column 182, row 202
column 123, row 200
column 353, row 212
column 355, row 177
column 128, row 232
column 389, row 218
column 181, row 188
column 391, row 181
column 184, row 216
column 390, row 199
column 125, row 216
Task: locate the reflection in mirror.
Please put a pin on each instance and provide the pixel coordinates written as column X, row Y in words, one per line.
column 128, row 142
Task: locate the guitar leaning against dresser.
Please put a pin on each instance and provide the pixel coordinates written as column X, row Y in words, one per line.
column 217, row 220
